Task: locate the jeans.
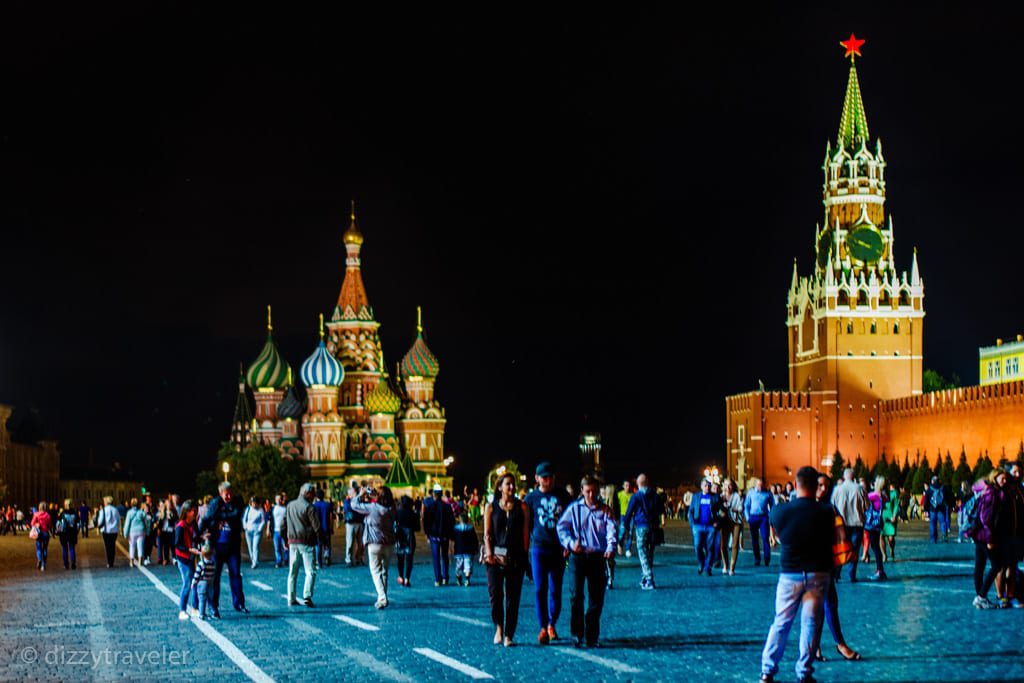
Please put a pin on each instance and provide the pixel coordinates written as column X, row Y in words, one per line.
column 759, row 532
column 731, row 532
column 379, row 555
column 67, row 547
column 625, row 537
column 796, row 591
column 980, row 561
column 855, row 535
column 280, row 550
column 586, row 568
column 42, row 546
column 187, row 571
column 252, row 539
column 166, row 546
column 301, row 553
column 203, row 592
column 874, row 539
column 323, row 548
column 135, row 544
column 832, row 610
column 223, row 555
column 704, row 538
column 504, row 587
column 439, row 554
column 463, row 566
column 109, row 545
column 548, row 568
column 936, row 520
column 645, row 552
column 353, row 543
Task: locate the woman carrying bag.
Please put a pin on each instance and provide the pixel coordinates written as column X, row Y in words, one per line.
column 842, row 551
column 506, row 542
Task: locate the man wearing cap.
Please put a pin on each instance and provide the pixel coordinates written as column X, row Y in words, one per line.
column 547, row 558
column 223, row 526
column 439, row 526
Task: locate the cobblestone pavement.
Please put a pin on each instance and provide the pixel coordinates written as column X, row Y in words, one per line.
column 105, row 624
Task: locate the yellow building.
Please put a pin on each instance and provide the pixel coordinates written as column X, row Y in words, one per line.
column 1001, row 363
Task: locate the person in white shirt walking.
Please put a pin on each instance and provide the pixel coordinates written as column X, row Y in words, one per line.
column 280, row 545
column 253, row 522
column 108, row 522
column 850, row 500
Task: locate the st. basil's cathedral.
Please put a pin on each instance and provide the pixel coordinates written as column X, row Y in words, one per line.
column 355, row 421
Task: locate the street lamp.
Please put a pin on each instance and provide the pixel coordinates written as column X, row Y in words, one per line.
column 711, row 474
column 448, row 461
column 226, row 468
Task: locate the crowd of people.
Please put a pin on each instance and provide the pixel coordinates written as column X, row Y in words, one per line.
column 554, row 535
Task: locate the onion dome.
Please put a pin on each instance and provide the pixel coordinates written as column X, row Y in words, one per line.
column 269, row 370
column 352, row 235
column 382, row 399
column 321, row 368
column 419, row 361
column 292, row 406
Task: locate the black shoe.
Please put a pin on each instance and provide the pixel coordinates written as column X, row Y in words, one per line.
column 577, row 642
column 215, row 615
column 767, row 678
column 243, row 609
column 593, row 643
column 308, row 602
column 853, row 579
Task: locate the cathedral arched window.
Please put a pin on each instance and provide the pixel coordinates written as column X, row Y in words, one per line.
column 844, row 298
column 904, row 298
column 862, row 298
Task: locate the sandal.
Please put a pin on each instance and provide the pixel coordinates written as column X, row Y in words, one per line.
column 853, row 658
column 819, row 657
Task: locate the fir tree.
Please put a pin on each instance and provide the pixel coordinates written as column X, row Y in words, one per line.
column 923, row 475
column 836, row 471
column 881, row 467
column 859, row 469
column 893, row 475
column 962, row 472
column 906, row 478
column 946, row 473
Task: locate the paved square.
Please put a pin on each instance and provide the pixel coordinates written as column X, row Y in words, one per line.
column 104, row 624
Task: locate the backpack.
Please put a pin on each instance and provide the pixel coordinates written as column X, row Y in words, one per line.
column 970, row 516
column 872, row 518
column 59, row 526
column 938, row 498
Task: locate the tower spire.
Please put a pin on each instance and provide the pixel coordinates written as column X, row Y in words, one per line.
column 853, row 125
column 321, row 327
column 270, row 326
column 419, row 321
column 915, row 274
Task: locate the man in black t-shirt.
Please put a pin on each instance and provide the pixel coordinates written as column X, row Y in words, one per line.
column 804, row 528
column 547, row 558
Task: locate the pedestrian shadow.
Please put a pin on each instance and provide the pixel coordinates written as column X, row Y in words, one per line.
column 670, row 643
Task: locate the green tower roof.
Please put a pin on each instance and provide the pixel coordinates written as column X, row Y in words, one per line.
column 853, row 125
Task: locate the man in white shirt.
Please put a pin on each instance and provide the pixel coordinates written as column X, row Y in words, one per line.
column 280, row 548
column 108, row 522
column 851, row 501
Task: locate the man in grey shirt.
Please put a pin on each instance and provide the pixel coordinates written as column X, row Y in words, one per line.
column 851, row 501
column 301, row 528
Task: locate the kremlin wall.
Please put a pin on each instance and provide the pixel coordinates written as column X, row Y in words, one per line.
column 855, row 328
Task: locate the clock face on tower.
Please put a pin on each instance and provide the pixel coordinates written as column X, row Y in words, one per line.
column 864, row 243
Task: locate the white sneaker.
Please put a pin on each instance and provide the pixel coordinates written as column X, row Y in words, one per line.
column 629, row 553
column 983, row 603
column 183, row 616
column 145, row 562
column 193, row 612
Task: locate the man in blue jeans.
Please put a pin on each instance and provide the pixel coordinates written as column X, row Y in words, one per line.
column 547, row 558
column 804, row 528
column 644, row 512
column 223, row 525
column 756, row 507
column 704, row 511
column 439, row 527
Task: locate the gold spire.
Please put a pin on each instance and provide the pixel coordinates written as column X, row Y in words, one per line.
column 352, row 235
column 419, row 320
column 321, row 327
column 289, row 382
column 270, row 327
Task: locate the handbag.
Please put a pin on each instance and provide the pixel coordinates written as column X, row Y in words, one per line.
column 33, row 533
column 842, row 549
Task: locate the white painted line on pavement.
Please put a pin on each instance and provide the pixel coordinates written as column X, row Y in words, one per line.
column 369, row 594
column 355, row 622
column 332, row 582
column 99, row 637
column 364, row 659
column 470, row 671
column 930, row 589
column 247, row 666
column 610, row 663
column 464, row 620
column 262, row 586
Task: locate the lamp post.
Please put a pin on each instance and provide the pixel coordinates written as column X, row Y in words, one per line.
column 226, row 468
column 711, row 474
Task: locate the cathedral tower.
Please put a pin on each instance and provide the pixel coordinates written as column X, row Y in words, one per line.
column 322, row 424
column 421, row 422
column 855, row 323
column 267, row 377
column 352, row 339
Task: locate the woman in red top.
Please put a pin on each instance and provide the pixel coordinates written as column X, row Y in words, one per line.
column 44, row 522
column 186, row 535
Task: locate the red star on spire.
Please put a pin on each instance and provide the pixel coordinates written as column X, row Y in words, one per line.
column 852, row 46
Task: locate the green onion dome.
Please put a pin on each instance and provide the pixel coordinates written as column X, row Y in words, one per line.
column 419, row 361
column 269, row 370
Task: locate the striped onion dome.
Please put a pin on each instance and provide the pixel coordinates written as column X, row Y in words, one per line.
column 382, row 399
column 321, row 368
column 269, row 370
column 291, row 406
column 419, row 361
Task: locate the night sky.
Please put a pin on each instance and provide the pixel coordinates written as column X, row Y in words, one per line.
column 598, row 212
